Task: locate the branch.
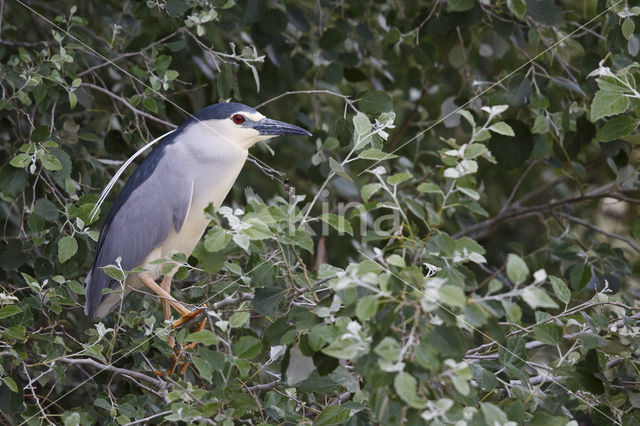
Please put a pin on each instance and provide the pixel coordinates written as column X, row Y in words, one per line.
column 232, row 300
column 126, row 55
column 264, row 386
column 164, row 413
column 516, row 211
column 601, row 231
column 128, row 105
column 122, row 371
column 297, row 92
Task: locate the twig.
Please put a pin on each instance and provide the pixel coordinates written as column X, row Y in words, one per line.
column 1, row 13
column 537, row 380
column 154, row 416
column 297, row 92
column 518, row 183
column 601, row 231
column 340, row 399
column 232, row 300
column 128, row 105
column 261, row 387
column 122, row 371
column 516, row 211
column 126, row 55
column 33, row 392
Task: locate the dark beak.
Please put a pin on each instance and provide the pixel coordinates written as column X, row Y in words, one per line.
column 268, row 126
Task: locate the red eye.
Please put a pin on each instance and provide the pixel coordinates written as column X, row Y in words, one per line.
column 238, row 119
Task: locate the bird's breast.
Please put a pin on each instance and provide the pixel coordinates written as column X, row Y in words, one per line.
column 211, row 184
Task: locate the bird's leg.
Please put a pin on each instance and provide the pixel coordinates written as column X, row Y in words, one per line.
column 149, row 282
column 200, row 327
column 166, row 308
column 186, row 315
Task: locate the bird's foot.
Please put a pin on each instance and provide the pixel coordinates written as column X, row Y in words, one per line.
column 181, row 359
column 190, row 316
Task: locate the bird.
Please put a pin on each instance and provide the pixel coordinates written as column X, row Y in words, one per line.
column 160, row 208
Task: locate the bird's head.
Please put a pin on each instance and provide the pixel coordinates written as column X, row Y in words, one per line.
column 243, row 126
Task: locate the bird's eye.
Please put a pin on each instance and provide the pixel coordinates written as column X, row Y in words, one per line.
column 238, row 119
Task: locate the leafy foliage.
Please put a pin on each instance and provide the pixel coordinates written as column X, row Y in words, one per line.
column 456, row 244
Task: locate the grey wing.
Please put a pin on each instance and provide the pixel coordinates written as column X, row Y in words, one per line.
column 141, row 224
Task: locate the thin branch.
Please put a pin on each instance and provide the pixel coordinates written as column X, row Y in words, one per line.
column 128, row 105
column 516, row 211
column 122, row 371
column 126, row 55
column 232, row 300
column 601, row 231
column 297, row 92
column 264, row 386
column 518, row 183
column 33, row 392
column 155, row 416
column 1, row 13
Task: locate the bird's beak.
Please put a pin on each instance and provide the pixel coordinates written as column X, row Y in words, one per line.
column 269, row 127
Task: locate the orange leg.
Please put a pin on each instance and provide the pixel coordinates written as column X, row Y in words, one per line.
column 186, row 315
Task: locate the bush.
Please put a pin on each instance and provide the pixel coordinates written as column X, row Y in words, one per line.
column 457, row 242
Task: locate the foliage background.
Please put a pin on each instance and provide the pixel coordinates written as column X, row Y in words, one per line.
column 520, row 221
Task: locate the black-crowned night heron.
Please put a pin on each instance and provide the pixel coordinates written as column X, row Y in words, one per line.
column 161, row 207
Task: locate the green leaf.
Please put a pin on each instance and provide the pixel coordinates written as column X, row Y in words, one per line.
column 268, row 299
column 114, row 272
column 545, row 12
column 502, row 128
column 376, row 102
column 452, row 295
column 551, row 334
column 388, row 348
column 375, row 154
column 300, row 239
column 492, row 414
column 46, row 209
column 11, row 384
column 204, row 368
column 538, row 298
column 176, row 7
column 607, row 103
column 517, row 269
column 406, row 388
column 635, row 228
column 239, row 319
column 216, row 239
column 616, row 128
column 338, row 169
column 73, row 100
column 206, row 337
column 398, row 178
column 248, row 347
column 560, row 289
column 50, row 162
column 368, row 190
column 367, row 308
column 339, row 223
column 150, row 104
column 40, row 133
column 9, row 311
column 517, row 7
column 628, row 27
column 333, row 415
column 590, row 341
column 20, row 161
column 67, row 247
column 459, row 5
column 362, row 126
column 429, row 188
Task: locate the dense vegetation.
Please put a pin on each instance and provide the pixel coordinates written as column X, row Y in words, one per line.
column 458, row 243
